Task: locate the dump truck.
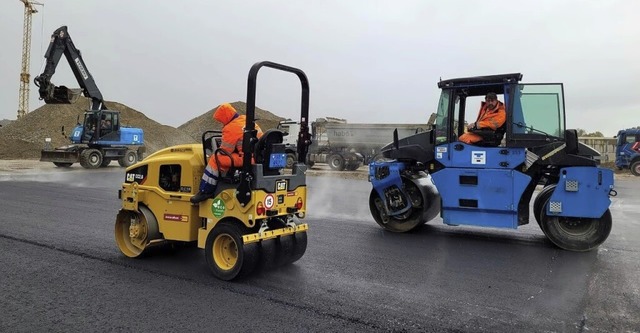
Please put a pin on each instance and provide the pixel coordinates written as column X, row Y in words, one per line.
column 491, row 183
column 343, row 145
column 101, row 137
column 628, row 150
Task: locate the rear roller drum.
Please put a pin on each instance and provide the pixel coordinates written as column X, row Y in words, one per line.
column 134, row 231
column 542, row 197
column 576, row 234
column 268, row 254
column 300, row 246
column 285, row 246
column 226, row 255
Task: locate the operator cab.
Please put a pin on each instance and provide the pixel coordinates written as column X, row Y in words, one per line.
column 101, row 125
column 535, row 112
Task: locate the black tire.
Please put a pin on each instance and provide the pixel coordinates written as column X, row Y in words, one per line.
column 130, row 158
column 291, row 159
column 105, row 162
column 576, row 234
column 227, row 256
column 91, row 158
column 336, row 162
column 62, row 165
column 635, row 168
column 541, row 198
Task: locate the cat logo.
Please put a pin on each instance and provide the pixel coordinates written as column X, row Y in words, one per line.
column 281, row 185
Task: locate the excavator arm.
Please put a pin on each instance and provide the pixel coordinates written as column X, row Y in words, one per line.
column 60, row 44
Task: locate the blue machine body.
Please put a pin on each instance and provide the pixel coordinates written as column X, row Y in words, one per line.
column 581, row 192
column 129, row 136
column 625, row 153
column 479, row 186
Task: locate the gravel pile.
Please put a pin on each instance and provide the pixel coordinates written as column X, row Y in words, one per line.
column 196, row 126
column 24, row 138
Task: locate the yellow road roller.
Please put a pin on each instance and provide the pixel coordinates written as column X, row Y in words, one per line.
column 253, row 220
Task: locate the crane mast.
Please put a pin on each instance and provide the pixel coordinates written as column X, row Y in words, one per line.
column 23, row 99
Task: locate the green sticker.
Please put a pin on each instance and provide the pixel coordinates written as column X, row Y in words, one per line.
column 217, row 208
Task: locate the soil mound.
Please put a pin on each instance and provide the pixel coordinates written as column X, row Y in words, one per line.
column 196, row 126
column 24, row 138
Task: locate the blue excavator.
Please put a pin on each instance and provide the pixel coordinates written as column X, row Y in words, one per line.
column 101, row 137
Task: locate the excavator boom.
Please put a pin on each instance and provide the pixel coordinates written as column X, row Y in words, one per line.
column 60, row 44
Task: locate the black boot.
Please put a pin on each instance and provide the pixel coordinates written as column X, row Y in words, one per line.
column 201, row 196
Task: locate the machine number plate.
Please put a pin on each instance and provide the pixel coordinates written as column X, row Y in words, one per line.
column 278, row 160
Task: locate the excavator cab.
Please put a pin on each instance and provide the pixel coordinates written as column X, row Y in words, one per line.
column 491, row 184
column 253, row 221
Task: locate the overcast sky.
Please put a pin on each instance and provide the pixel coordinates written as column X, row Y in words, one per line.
column 367, row 61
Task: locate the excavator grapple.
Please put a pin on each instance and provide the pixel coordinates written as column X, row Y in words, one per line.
column 253, row 220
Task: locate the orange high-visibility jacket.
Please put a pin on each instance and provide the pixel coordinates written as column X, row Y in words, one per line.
column 232, row 135
column 486, row 119
column 491, row 118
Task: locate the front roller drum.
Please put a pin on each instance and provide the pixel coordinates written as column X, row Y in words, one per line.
column 425, row 205
column 135, row 231
column 227, row 256
column 398, row 223
column 574, row 233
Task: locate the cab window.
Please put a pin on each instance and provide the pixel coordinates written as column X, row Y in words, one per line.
column 170, row 177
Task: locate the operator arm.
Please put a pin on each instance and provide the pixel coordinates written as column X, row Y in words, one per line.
column 60, row 44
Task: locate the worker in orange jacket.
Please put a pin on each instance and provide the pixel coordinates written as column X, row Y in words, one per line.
column 492, row 115
column 232, row 135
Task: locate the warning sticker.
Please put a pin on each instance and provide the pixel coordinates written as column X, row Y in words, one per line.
column 217, row 208
column 478, row 157
column 268, row 201
column 441, row 149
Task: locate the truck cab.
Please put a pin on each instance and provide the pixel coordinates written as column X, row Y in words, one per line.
column 628, row 150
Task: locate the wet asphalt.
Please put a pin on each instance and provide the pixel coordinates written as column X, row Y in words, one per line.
column 60, row 270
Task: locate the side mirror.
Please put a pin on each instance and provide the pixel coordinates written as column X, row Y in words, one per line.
column 571, row 139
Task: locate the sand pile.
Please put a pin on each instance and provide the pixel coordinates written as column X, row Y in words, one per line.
column 24, row 138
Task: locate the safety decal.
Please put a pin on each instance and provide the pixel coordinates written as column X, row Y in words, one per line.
column 291, row 194
column 177, row 218
column 441, row 149
column 268, row 201
column 478, row 157
column 439, row 156
column 217, row 208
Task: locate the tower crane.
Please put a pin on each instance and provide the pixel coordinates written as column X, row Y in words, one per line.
column 23, row 99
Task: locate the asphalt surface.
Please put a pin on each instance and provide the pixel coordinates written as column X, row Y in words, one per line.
column 60, row 270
